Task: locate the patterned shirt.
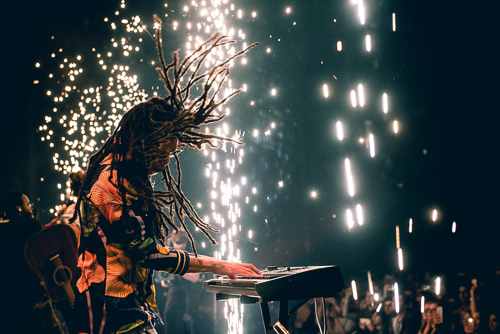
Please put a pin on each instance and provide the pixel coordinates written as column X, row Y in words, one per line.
column 117, row 260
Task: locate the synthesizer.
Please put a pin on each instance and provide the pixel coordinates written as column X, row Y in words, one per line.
column 281, row 283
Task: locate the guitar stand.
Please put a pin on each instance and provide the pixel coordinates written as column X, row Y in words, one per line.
column 284, row 314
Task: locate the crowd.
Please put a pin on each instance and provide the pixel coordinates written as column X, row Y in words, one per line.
column 455, row 305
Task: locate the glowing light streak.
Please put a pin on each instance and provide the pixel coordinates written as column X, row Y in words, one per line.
column 393, row 21
column 410, row 226
column 400, row 258
column 385, row 103
column 371, row 145
column 379, row 307
column 339, row 130
column 434, row 215
column 359, row 214
column 368, row 43
column 398, row 245
column 396, row 297
column 349, row 218
column 361, row 12
column 395, row 126
column 350, row 180
column 354, row 290
column 422, row 304
column 361, row 95
column 339, row 46
column 353, row 99
column 326, row 92
column 370, row 283
column 453, row 227
column 438, row 285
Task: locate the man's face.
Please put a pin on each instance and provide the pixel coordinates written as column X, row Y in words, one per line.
column 26, row 209
column 493, row 324
column 157, row 165
column 388, row 307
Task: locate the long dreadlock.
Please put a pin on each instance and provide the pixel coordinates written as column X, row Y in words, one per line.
column 135, row 142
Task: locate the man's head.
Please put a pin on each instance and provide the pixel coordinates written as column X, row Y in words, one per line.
column 493, row 322
column 150, row 132
column 16, row 204
column 388, row 306
column 430, row 311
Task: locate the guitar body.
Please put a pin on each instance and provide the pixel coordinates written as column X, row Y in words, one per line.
column 52, row 253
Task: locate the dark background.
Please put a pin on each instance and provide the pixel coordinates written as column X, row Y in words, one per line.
column 440, row 66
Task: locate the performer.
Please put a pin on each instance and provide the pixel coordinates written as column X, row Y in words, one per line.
column 123, row 223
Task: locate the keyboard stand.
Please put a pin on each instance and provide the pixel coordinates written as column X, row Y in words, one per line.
column 283, row 313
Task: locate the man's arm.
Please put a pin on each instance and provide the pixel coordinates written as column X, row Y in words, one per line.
column 203, row 264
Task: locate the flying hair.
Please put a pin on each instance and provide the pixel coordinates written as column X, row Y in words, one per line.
column 135, row 141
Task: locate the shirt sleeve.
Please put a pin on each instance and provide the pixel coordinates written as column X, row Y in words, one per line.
column 168, row 260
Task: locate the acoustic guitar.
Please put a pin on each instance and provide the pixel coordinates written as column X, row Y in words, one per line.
column 52, row 254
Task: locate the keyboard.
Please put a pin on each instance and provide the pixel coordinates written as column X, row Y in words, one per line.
column 281, row 283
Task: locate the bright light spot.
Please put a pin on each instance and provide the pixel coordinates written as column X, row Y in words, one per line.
column 454, row 227
column 400, row 258
column 254, row 190
column 339, row 46
column 37, row 65
column 393, row 21
column 254, row 14
column 288, row 10
column 370, row 283
column 354, row 290
column 422, row 304
column 339, row 130
column 361, row 12
column 371, row 144
column 325, row 91
column 273, row 92
column 255, row 133
column 361, row 95
column 350, row 181
column 250, row 234
column 368, row 43
column 359, row 214
column 385, row 103
column 350, row 220
column 398, row 245
column 410, row 228
column 395, row 126
column 353, row 99
column 314, row 194
column 396, row 297
column 438, row 285
column 434, row 215
column 376, row 297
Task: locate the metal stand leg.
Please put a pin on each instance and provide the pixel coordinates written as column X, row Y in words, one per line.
column 283, row 315
column 266, row 317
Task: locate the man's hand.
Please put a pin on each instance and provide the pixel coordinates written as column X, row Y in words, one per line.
column 203, row 264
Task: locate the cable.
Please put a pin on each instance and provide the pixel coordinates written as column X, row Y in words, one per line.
column 316, row 313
